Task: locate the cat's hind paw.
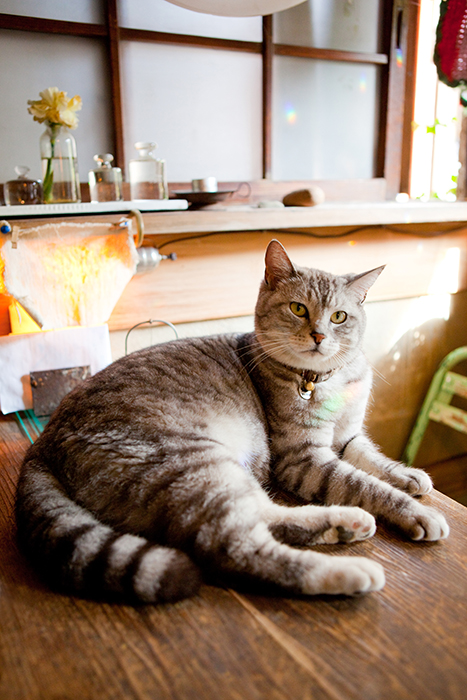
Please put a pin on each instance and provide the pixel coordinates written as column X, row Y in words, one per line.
column 348, row 524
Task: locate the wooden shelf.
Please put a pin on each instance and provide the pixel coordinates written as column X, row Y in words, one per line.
column 252, row 218
column 241, row 218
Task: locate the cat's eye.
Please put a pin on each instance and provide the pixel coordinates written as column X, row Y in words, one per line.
column 338, row 317
column 298, row 309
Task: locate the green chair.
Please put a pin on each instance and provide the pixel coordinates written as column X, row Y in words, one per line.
column 436, row 406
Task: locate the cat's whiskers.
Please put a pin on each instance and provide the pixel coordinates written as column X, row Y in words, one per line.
column 283, row 347
column 276, row 347
column 378, row 373
column 257, row 359
column 344, row 345
column 268, row 350
column 375, row 370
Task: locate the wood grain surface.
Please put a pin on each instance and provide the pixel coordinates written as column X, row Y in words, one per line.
column 408, row 641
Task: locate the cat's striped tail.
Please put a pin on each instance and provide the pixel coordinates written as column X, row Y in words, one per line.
column 77, row 554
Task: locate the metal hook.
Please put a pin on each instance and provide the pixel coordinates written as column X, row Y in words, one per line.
column 150, row 321
column 136, row 214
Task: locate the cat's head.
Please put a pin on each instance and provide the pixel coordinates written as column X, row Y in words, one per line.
column 307, row 318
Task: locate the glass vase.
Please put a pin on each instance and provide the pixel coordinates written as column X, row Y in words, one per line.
column 60, row 179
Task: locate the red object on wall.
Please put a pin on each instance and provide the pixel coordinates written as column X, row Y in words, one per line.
column 450, row 54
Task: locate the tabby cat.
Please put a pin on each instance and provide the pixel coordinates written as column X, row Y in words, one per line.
column 159, row 466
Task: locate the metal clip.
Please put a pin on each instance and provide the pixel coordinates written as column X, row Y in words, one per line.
column 124, row 223
column 14, row 237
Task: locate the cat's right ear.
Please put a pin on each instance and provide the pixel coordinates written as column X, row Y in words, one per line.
column 360, row 284
column 278, row 264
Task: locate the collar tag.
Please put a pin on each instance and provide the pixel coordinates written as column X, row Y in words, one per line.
column 309, row 379
column 307, row 385
column 305, row 390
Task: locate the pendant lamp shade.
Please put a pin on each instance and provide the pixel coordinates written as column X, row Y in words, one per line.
column 236, row 8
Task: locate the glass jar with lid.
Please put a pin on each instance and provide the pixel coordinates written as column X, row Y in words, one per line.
column 22, row 190
column 105, row 181
column 148, row 178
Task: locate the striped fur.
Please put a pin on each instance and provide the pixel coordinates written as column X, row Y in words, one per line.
column 156, row 470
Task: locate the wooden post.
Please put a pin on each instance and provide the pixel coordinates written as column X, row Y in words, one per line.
column 267, row 96
column 401, row 62
column 113, row 49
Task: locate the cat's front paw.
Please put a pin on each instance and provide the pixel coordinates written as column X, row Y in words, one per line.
column 345, row 576
column 349, row 524
column 413, row 481
column 423, row 524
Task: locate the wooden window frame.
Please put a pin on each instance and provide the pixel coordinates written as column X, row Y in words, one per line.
column 396, row 61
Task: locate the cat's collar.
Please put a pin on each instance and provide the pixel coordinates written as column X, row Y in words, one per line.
column 308, row 380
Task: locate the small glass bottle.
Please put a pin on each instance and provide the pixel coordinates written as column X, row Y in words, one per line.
column 105, row 182
column 148, row 179
column 22, row 190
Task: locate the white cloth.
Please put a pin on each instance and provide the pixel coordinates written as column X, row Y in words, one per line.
column 35, row 352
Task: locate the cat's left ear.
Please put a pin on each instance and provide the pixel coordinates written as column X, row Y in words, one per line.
column 278, row 264
column 360, row 284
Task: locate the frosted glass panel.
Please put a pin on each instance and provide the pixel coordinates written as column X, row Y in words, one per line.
column 70, row 10
column 162, row 16
column 324, row 119
column 348, row 25
column 30, row 63
column 202, row 107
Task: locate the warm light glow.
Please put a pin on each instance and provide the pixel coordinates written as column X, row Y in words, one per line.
column 446, row 275
column 67, row 274
column 420, row 311
column 2, row 283
column 73, row 266
column 437, row 303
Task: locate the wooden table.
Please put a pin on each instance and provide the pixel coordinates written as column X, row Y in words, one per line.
column 408, row 641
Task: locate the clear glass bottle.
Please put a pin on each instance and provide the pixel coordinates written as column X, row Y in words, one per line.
column 22, row 190
column 105, row 182
column 60, row 179
column 148, row 178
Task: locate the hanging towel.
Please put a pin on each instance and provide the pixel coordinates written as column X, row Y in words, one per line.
column 68, row 274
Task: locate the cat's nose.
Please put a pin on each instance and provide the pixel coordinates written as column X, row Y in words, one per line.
column 317, row 337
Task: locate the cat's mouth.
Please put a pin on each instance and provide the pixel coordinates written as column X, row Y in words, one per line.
column 316, row 351
column 316, row 358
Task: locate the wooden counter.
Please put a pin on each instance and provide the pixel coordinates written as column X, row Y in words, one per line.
column 332, row 214
column 408, row 641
